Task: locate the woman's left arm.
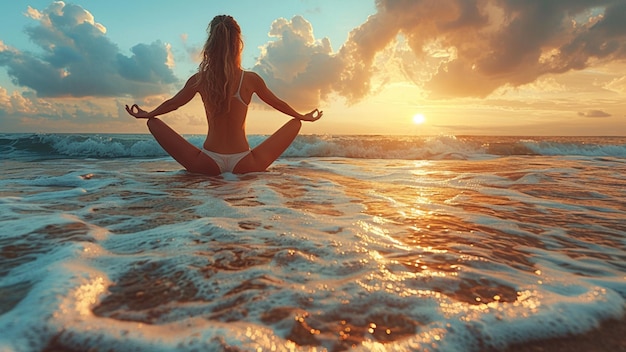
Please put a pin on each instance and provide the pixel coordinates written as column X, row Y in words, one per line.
column 181, row 98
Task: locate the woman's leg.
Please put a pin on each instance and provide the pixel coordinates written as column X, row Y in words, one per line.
column 261, row 157
column 188, row 155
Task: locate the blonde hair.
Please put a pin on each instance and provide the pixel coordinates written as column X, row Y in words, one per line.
column 221, row 59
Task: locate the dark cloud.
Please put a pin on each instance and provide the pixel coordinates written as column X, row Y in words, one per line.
column 502, row 42
column 456, row 48
column 78, row 59
column 594, row 113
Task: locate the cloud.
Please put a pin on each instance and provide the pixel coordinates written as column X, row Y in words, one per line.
column 194, row 53
column 617, row 85
column 450, row 48
column 15, row 104
column 77, row 59
column 594, row 113
column 26, row 111
column 18, row 105
column 304, row 70
column 33, row 13
column 493, row 43
column 300, row 68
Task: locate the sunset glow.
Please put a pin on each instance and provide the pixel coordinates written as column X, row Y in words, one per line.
column 419, row 119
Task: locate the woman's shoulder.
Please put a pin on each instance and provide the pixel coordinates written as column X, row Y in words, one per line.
column 255, row 78
column 252, row 74
column 193, row 79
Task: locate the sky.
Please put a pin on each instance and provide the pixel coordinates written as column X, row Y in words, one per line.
column 409, row 67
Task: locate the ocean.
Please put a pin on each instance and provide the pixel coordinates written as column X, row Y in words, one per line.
column 346, row 243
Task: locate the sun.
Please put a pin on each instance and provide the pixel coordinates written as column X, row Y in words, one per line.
column 419, row 119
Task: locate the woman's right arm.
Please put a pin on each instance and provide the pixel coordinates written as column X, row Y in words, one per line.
column 261, row 89
column 181, row 98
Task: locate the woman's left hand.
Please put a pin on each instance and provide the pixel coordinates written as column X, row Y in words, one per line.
column 137, row 112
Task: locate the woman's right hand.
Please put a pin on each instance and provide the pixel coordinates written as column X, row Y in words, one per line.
column 137, row 112
column 312, row 116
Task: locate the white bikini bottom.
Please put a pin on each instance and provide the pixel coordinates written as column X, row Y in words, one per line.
column 226, row 162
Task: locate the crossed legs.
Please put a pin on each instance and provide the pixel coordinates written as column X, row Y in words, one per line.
column 263, row 155
column 194, row 160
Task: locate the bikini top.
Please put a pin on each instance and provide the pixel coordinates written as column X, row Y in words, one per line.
column 238, row 94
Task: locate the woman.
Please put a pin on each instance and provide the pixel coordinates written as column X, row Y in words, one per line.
column 226, row 91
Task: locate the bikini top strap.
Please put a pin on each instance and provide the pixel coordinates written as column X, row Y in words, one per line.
column 240, row 82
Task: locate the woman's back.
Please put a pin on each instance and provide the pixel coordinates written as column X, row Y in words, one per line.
column 227, row 129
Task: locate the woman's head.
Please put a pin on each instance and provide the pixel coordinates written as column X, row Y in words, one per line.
column 221, row 58
column 224, row 40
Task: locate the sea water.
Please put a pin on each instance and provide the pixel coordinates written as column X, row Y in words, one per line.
column 346, row 243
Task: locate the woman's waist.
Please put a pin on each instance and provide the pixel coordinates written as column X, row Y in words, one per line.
column 226, row 146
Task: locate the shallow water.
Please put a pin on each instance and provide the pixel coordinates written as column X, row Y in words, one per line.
column 458, row 251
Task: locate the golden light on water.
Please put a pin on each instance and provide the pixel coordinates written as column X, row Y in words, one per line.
column 87, row 295
column 419, row 119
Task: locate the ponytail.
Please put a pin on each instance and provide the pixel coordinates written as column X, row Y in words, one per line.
column 221, row 58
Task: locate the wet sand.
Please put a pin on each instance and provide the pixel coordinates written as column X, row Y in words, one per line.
column 610, row 336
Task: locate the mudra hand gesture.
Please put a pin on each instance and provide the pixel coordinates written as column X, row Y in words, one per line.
column 312, row 116
column 137, row 112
